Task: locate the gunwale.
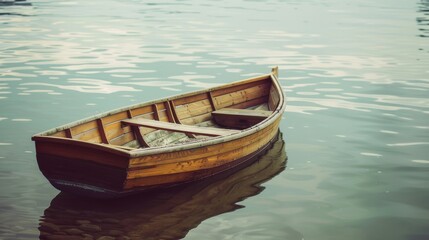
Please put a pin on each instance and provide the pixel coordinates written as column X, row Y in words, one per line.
column 177, row 147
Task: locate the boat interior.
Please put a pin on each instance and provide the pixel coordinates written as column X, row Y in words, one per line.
column 185, row 118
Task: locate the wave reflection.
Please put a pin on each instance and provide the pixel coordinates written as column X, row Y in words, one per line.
column 87, row 86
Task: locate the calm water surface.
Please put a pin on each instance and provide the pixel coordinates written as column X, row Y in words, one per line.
column 356, row 130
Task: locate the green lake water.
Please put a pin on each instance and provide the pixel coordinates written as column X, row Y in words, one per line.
column 355, row 131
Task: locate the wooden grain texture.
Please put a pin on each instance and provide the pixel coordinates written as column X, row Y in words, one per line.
column 141, row 110
column 160, row 105
column 82, row 153
column 173, row 110
column 243, row 113
column 101, row 131
column 68, row 133
column 190, row 99
column 239, row 118
column 178, row 178
column 177, row 119
column 155, row 112
column 157, row 135
column 199, row 153
column 61, row 134
column 250, row 103
column 117, row 117
column 114, row 130
column 197, row 111
column 177, row 174
column 212, row 103
column 152, row 116
column 178, row 127
column 169, row 112
column 84, row 127
column 132, row 144
column 92, row 135
column 130, row 113
column 123, row 139
column 193, row 109
column 163, row 138
column 273, row 99
column 241, row 96
column 222, row 157
column 163, row 116
column 191, row 154
column 240, row 86
column 137, row 132
column 138, row 135
column 197, row 119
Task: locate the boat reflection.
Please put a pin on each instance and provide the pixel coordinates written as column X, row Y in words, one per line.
column 168, row 214
column 14, row 3
column 423, row 19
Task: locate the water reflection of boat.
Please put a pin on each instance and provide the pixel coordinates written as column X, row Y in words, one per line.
column 164, row 214
column 423, row 19
column 14, row 3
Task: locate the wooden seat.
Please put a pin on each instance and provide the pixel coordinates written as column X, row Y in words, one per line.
column 239, row 118
column 206, row 131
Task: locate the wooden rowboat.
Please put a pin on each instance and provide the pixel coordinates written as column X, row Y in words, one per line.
column 165, row 142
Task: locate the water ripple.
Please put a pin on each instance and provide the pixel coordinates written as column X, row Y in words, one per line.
column 355, row 76
column 343, row 104
column 407, row 144
column 397, row 100
column 421, row 161
column 87, row 86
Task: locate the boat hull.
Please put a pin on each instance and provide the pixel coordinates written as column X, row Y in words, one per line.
column 129, row 150
column 107, row 190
